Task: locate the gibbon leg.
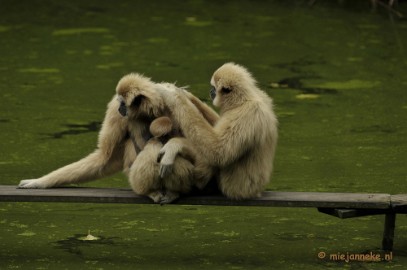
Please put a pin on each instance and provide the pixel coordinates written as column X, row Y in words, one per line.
column 203, row 174
column 92, row 167
column 129, row 156
column 105, row 160
column 143, row 175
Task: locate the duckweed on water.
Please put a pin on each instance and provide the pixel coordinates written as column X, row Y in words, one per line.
column 349, row 85
column 307, row 96
column 39, row 70
column 77, row 31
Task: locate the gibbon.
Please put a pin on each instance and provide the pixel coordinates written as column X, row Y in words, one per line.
column 121, row 138
column 242, row 143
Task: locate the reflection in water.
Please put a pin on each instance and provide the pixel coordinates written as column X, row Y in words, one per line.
column 75, row 244
column 75, row 129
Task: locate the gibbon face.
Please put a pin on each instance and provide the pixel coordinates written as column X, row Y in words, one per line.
column 218, row 94
column 138, row 98
column 229, row 83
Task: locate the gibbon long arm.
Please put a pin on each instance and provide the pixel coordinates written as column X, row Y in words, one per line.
column 222, row 144
column 207, row 112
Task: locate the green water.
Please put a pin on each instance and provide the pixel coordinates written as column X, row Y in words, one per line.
column 337, row 74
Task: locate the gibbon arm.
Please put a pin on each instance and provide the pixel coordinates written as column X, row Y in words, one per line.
column 113, row 131
column 222, row 144
column 207, row 112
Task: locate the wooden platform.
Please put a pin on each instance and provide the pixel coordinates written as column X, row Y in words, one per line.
column 342, row 205
column 269, row 198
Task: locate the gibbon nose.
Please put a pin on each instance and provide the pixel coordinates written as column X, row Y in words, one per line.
column 212, row 93
column 123, row 109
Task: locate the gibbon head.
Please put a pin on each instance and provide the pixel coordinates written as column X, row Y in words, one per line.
column 161, row 126
column 138, row 97
column 231, row 85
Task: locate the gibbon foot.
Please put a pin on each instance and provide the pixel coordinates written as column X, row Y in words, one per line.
column 163, row 197
column 169, row 197
column 156, row 196
column 31, row 183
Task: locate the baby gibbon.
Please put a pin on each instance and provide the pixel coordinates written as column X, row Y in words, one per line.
column 243, row 141
column 120, row 138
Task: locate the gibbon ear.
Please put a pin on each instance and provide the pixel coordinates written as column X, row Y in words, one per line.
column 226, row 90
column 137, row 101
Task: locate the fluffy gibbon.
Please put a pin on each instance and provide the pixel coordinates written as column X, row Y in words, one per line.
column 242, row 143
column 124, row 134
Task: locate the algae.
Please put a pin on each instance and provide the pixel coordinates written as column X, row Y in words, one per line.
column 78, row 31
column 349, row 85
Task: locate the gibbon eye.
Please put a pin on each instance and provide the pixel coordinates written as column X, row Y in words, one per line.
column 226, row 90
column 137, row 101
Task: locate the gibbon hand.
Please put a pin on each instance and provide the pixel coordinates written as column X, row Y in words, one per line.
column 165, row 166
column 170, row 94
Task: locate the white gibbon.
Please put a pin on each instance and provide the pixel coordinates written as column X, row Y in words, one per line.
column 124, row 133
column 242, row 143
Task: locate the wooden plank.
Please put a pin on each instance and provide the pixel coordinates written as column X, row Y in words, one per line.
column 269, row 198
column 71, row 194
column 399, row 203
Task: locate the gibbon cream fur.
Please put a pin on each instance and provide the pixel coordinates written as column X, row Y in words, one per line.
column 123, row 138
column 243, row 141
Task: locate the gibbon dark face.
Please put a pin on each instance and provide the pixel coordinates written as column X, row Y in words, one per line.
column 134, row 105
column 137, row 101
column 223, row 90
column 212, row 93
column 123, row 109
